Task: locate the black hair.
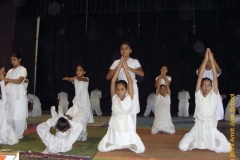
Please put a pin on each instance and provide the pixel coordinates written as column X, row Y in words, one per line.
column 82, row 66
column 206, row 79
column 62, row 124
column 162, row 85
column 122, row 82
column 127, row 43
column 16, row 54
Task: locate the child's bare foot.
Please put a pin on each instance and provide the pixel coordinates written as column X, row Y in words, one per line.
column 133, row 146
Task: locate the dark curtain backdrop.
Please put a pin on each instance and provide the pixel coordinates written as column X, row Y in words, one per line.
column 162, row 38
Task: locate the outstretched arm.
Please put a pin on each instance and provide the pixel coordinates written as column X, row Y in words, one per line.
column 215, row 80
column 114, row 79
column 70, row 79
column 129, row 79
column 201, row 70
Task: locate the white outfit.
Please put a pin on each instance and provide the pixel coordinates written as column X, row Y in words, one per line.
column 63, row 101
column 132, row 63
column 163, row 121
column 81, row 106
column 62, row 141
column 204, row 134
column 163, row 81
column 95, row 101
column 231, row 111
column 36, row 110
column 7, row 134
column 183, row 104
column 17, row 104
column 121, row 133
column 220, row 112
column 150, row 104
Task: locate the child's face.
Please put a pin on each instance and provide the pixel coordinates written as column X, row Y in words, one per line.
column 125, row 50
column 208, row 65
column 163, row 90
column 15, row 61
column 164, row 70
column 79, row 71
column 206, row 86
column 121, row 90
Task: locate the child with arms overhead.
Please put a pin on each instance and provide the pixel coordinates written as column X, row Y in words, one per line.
column 121, row 131
column 163, row 120
column 204, row 134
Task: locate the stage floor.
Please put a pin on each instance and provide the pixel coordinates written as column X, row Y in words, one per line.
column 159, row 146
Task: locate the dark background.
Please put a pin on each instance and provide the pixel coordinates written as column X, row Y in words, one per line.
column 161, row 32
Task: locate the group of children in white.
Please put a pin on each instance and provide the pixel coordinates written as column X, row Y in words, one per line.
column 121, row 132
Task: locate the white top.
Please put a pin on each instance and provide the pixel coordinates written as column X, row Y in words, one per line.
column 205, row 106
column 183, row 96
column 151, row 98
column 132, row 63
column 236, row 101
column 164, row 102
column 62, row 95
column 81, row 98
column 62, row 141
column 32, row 98
column 96, row 94
column 163, row 81
column 208, row 74
column 15, row 73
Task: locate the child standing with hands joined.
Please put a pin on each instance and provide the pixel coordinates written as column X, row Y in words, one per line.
column 204, row 134
column 81, row 102
column 163, row 120
column 121, row 131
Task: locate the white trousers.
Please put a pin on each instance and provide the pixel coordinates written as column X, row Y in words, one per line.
column 139, row 147
column 134, row 118
column 183, row 109
column 150, row 107
column 36, row 110
column 64, row 103
column 18, row 126
column 95, row 104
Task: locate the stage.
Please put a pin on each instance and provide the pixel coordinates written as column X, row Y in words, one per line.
column 159, row 146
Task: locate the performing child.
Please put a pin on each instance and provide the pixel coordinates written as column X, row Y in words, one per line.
column 204, row 133
column 121, row 133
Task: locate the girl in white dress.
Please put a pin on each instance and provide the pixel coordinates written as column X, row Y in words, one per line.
column 163, row 72
column 7, row 134
column 163, row 120
column 204, row 134
column 67, row 132
column 16, row 94
column 81, row 103
column 121, row 133
column 134, row 68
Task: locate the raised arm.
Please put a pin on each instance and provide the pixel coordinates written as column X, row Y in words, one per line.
column 218, row 70
column 167, row 85
column 129, row 79
column 215, row 80
column 201, row 70
column 114, row 79
column 158, row 81
column 111, row 72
